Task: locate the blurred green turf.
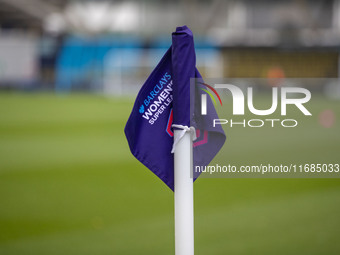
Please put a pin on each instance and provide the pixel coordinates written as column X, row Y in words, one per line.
column 69, row 185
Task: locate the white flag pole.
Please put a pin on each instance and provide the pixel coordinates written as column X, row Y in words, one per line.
column 184, row 199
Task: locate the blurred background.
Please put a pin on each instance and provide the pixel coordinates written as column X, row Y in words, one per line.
column 69, row 73
column 111, row 46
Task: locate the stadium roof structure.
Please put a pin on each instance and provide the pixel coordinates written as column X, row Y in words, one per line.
column 28, row 14
column 239, row 23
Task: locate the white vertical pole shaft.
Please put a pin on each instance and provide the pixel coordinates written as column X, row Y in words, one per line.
column 184, row 199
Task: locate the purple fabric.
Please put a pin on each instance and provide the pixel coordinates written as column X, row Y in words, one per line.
column 165, row 98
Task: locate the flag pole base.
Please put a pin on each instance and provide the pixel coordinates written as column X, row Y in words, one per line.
column 184, row 200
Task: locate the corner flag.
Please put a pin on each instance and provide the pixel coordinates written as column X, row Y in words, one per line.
column 165, row 101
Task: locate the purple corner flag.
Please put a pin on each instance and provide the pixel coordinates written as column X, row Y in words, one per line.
column 167, row 98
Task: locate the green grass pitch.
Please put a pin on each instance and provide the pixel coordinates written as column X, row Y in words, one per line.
column 69, row 185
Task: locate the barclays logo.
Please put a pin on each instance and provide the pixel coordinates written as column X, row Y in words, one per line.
column 141, row 109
